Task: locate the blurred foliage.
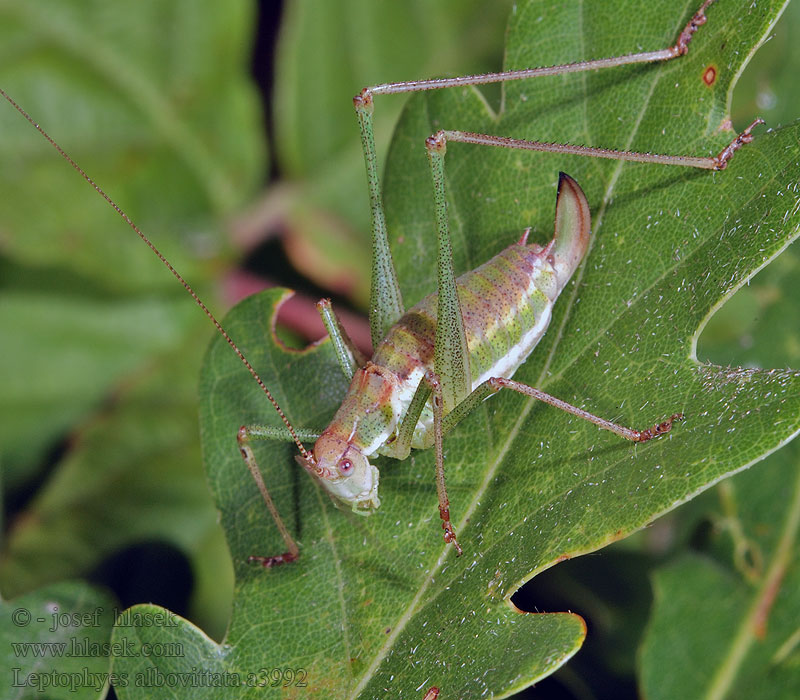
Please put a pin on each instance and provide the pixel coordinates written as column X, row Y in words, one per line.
column 71, row 615
column 727, row 615
column 323, row 210
column 98, row 427
column 98, row 434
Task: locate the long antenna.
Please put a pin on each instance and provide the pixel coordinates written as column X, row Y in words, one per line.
column 306, row 455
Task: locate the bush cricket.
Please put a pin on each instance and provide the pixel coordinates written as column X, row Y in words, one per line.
column 435, row 362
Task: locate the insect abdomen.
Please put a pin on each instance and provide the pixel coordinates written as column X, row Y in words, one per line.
column 506, row 305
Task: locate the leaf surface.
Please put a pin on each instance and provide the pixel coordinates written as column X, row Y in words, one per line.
column 322, row 213
column 728, row 618
column 153, row 99
column 52, row 641
column 726, row 611
column 381, row 605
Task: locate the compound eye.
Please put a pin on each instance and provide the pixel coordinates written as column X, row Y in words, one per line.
column 345, row 467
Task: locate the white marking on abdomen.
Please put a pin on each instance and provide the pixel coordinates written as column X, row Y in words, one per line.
column 517, row 354
column 505, row 367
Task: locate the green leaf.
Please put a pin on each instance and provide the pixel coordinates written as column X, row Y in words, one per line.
column 355, row 46
column 134, row 475
column 381, row 603
column 62, row 353
column 726, row 615
column 152, row 100
column 98, row 429
column 55, row 642
column 759, row 327
column 766, row 87
column 327, row 52
column 724, row 624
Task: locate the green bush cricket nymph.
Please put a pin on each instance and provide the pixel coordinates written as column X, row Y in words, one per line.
column 435, row 362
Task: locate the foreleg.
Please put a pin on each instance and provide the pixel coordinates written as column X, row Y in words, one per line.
column 244, row 437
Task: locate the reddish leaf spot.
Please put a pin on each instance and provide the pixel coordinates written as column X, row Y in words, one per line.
column 710, row 75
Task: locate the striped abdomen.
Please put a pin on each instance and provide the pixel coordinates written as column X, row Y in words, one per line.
column 506, row 306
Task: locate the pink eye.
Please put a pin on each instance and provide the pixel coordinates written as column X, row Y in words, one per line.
column 345, row 467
